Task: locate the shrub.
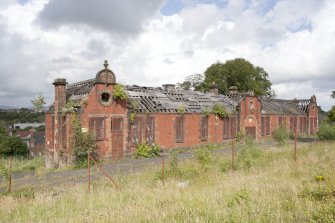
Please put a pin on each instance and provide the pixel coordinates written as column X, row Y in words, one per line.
column 249, row 156
column 240, row 136
column 174, row 169
column 82, row 143
column 132, row 117
column 281, row 135
column 219, row 110
column 13, row 146
column 326, row 131
column 318, row 194
column 146, row 150
column 325, row 214
column 204, row 155
column 119, row 92
column 225, row 165
column 4, row 173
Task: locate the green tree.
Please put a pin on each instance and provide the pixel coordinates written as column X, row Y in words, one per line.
column 38, row 102
column 82, row 143
column 240, row 73
column 331, row 113
column 11, row 146
column 3, row 131
column 193, row 82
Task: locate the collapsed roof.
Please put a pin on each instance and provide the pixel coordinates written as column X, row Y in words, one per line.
column 156, row 99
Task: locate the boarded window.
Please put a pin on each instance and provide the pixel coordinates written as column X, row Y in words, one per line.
column 64, row 132
column 263, row 126
column 301, row 126
column 281, row 121
column 226, row 128
column 291, row 124
column 313, row 124
column 117, row 124
column 97, row 128
column 136, row 136
column 204, row 129
column 267, row 125
column 179, row 129
column 150, row 130
column 233, row 127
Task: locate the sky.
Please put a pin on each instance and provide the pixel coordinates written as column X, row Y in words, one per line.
column 158, row 42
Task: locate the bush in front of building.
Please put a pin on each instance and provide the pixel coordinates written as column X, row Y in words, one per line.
column 249, row 155
column 204, row 155
column 147, row 150
column 281, row 135
column 326, row 132
column 82, row 143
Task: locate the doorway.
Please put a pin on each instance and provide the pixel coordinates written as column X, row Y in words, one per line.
column 117, row 138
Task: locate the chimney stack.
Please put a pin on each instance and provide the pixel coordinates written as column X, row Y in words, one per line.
column 233, row 90
column 60, row 97
column 169, row 88
column 214, row 88
column 60, row 100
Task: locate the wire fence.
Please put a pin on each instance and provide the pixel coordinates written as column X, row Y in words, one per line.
column 113, row 170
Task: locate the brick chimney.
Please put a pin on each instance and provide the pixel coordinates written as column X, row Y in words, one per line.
column 233, row 90
column 169, row 88
column 214, row 88
column 60, row 100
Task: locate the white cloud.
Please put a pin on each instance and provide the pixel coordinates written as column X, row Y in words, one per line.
column 294, row 42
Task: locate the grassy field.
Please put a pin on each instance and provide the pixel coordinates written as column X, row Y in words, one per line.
column 266, row 186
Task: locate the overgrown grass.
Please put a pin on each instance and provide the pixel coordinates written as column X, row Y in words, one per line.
column 267, row 186
column 25, row 164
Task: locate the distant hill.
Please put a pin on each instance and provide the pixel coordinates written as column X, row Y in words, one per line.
column 6, row 107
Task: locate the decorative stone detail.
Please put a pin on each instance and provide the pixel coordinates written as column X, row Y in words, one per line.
column 105, row 97
column 105, row 76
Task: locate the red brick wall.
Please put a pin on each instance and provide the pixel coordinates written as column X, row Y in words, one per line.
column 165, row 132
column 250, row 116
column 49, row 144
column 93, row 108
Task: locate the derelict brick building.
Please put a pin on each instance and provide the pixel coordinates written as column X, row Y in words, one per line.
column 167, row 116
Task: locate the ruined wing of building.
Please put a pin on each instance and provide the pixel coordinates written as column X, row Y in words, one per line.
column 167, row 116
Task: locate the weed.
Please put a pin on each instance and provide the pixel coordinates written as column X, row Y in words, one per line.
column 318, row 194
column 238, row 198
column 119, row 93
column 146, row 150
column 281, row 135
column 225, row 165
column 249, row 156
column 325, row 214
column 204, row 155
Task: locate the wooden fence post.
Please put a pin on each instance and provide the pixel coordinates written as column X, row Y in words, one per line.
column 89, row 172
column 232, row 155
column 295, row 143
column 163, row 168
